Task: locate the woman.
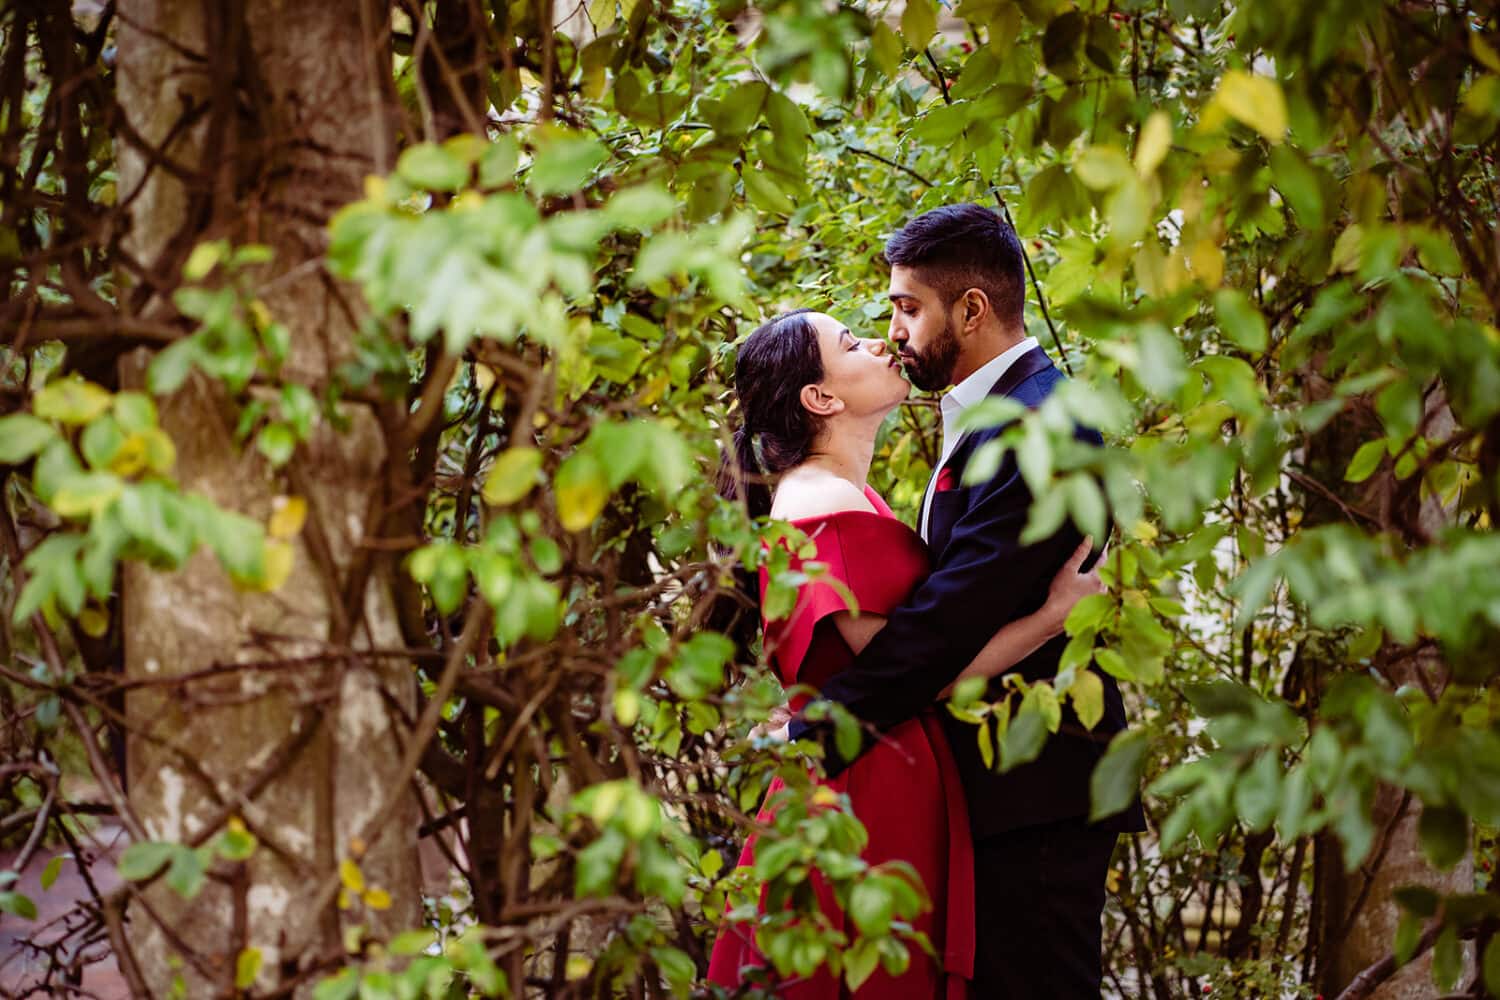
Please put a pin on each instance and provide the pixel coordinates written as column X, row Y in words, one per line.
column 812, row 397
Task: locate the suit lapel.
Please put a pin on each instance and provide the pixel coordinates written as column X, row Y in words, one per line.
column 1025, row 366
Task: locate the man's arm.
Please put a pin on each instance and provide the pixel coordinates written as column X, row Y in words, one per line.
column 985, row 580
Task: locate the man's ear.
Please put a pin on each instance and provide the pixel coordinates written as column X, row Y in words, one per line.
column 974, row 309
column 818, row 402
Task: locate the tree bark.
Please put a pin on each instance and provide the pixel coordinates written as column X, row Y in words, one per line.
column 1355, row 915
column 271, row 114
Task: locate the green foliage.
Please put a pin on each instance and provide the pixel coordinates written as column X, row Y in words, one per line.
column 1268, row 262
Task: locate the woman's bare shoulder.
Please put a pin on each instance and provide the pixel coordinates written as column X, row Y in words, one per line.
column 804, row 494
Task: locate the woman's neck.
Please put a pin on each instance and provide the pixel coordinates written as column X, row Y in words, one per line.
column 846, row 450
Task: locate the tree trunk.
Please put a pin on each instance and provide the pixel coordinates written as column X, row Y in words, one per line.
column 265, row 117
column 1356, row 913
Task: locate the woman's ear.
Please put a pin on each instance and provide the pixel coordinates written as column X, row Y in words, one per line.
column 819, row 402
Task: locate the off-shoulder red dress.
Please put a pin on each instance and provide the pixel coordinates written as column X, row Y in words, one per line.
column 905, row 790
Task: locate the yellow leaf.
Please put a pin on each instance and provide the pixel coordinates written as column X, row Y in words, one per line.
column 94, row 622
column 279, row 558
column 377, row 899
column 825, row 796
column 1484, row 51
column 1102, row 168
column 627, row 707
column 1347, row 249
column 345, row 900
column 352, row 878
column 1206, row 258
column 1155, row 139
column 288, row 514
column 484, row 377
column 161, row 453
column 375, row 188
column 132, row 456
column 71, row 400
column 512, row 476
column 582, row 492
column 246, row 968
column 578, row 967
column 1256, row 101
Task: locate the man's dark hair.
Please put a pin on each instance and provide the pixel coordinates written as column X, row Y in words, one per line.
column 958, row 247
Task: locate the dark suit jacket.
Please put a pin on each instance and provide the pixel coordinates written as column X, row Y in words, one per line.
column 982, row 578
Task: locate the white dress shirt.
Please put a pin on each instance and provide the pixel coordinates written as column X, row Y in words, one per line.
column 958, row 399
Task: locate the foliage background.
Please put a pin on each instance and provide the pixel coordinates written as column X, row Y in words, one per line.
column 1263, row 240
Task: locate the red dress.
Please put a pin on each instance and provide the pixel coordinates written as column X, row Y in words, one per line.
column 905, row 789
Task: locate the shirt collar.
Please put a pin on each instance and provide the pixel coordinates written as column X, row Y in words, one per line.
column 978, row 385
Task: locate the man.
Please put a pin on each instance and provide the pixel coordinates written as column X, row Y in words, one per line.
column 958, row 291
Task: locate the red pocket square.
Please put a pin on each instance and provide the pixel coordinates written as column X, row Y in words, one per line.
column 945, row 481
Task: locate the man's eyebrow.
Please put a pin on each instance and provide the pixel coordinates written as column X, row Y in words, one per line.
column 897, row 296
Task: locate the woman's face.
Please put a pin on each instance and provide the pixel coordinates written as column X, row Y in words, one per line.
column 859, row 371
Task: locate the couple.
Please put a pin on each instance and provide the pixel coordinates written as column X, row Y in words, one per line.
column 1015, row 872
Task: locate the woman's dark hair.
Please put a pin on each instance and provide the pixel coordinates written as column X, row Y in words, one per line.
column 776, row 432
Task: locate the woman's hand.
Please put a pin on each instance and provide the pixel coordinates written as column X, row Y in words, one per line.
column 1070, row 586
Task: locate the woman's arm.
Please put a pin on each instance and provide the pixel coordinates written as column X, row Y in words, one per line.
column 1018, row 639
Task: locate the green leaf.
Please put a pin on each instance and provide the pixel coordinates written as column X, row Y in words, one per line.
column 512, row 476
column 22, row 436
column 1116, row 780
column 435, row 168
column 1444, row 833
column 53, row 869
column 1023, row 740
column 1492, row 965
column 1365, row 461
column 497, row 164
column 887, row 52
column 1087, row 695
column 1241, row 321
column 342, row 986
column 871, row 906
column 919, row 23
column 1447, row 959
column 277, row 442
column 144, row 859
column 1257, row 793
column 764, row 194
column 17, row 905
column 565, row 163
column 187, row 873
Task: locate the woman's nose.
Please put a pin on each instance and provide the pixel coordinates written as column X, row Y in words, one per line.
column 876, row 345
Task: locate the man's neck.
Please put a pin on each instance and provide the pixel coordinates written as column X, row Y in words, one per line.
column 986, row 349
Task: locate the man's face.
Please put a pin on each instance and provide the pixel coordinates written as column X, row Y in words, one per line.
column 923, row 331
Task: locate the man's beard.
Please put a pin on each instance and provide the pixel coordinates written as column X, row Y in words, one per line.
column 932, row 369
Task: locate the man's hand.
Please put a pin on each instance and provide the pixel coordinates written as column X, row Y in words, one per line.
column 775, row 727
